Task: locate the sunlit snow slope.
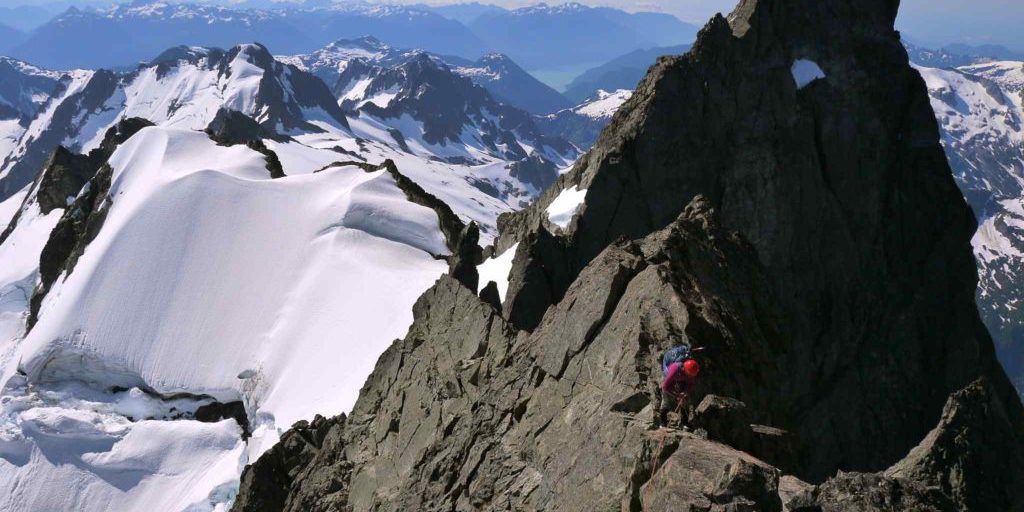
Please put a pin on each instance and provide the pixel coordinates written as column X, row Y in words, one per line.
column 212, row 279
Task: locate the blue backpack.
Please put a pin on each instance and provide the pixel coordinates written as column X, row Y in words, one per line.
column 676, row 354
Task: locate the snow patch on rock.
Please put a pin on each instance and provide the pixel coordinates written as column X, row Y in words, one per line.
column 563, row 208
column 604, row 105
column 497, row 269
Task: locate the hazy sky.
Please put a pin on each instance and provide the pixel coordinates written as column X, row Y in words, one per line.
column 934, row 22
column 931, row 22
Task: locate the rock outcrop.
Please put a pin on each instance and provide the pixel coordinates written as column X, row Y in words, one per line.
column 803, row 228
column 842, row 187
column 230, row 127
column 470, row 412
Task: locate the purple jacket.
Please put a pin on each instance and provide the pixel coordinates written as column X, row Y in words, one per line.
column 676, row 378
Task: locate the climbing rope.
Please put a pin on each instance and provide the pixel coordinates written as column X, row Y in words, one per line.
column 680, row 399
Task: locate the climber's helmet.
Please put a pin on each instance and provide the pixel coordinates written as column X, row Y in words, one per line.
column 691, row 368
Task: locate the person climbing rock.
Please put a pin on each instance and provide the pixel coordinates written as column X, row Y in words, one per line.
column 680, row 376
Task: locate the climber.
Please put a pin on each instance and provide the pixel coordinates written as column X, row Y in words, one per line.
column 681, row 371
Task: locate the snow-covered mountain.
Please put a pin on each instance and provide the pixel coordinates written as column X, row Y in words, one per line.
column 214, row 249
column 24, row 90
column 183, row 87
column 979, row 109
column 584, row 122
column 939, row 58
column 188, row 286
column 503, row 78
column 432, row 110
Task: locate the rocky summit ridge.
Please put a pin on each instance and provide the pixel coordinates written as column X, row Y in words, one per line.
column 802, row 226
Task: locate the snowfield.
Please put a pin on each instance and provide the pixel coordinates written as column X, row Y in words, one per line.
column 497, row 269
column 214, row 270
column 564, row 207
column 209, row 278
column 604, row 105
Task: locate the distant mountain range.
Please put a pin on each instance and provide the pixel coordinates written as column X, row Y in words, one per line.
column 993, row 51
column 9, row 37
column 129, row 33
column 622, row 72
column 26, row 17
column 497, row 73
column 572, row 34
column 538, row 37
column 465, row 13
column 411, row 100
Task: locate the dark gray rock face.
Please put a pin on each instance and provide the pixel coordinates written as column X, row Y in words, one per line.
column 748, row 486
column 216, row 411
column 967, row 455
column 230, row 127
column 844, row 191
column 65, row 173
column 968, row 462
column 272, row 477
column 466, row 256
column 811, row 239
column 869, row 492
column 467, row 412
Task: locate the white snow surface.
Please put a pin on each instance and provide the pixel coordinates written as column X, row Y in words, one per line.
column 207, row 278
column 220, row 270
column 990, row 243
column 59, row 451
column 968, row 110
column 497, row 269
column 20, row 257
column 563, row 208
column 806, row 71
column 9, row 207
column 604, row 105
